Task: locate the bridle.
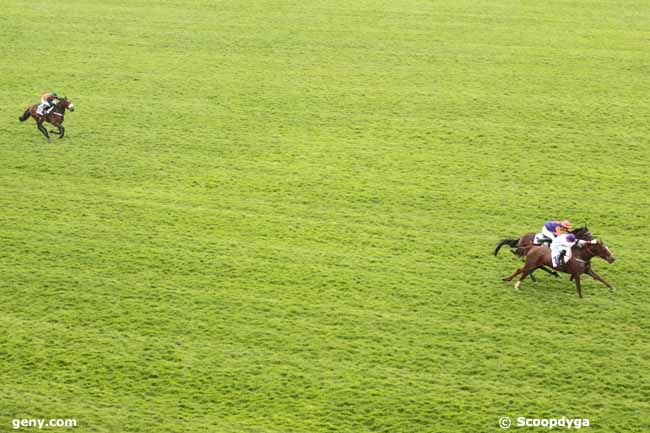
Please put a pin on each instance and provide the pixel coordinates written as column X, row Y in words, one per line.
column 587, row 247
column 602, row 245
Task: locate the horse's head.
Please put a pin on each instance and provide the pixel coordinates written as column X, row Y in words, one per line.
column 67, row 104
column 601, row 250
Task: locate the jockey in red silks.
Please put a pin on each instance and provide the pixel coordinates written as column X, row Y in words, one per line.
column 47, row 102
column 551, row 230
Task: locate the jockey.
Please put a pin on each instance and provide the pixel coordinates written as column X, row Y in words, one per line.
column 551, row 230
column 561, row 248
column 47, row 102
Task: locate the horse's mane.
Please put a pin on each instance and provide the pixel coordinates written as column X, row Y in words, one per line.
column 582, row 233
column 59, row 106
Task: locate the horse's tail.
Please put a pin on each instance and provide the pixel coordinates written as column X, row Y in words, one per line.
column 512, row 243
column 25, row 115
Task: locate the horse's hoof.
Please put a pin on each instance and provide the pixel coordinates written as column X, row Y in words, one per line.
column 517, row 285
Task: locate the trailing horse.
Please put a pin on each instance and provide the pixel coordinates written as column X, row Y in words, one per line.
column 55, row 117
column 579, row 264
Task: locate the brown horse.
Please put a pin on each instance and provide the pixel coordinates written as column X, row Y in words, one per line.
column 580, row 263
column 54, row 117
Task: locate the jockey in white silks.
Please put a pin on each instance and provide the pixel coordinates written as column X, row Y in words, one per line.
column 551, row 230
column 47, row 101
column 561, row 248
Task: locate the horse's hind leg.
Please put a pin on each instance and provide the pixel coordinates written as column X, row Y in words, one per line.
column 525, row 271
column 517, row 272
column 547, row 270
column 524, row 274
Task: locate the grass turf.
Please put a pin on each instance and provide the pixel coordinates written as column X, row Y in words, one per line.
column 278, row 216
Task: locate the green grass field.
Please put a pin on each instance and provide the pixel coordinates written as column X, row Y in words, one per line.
column 278, row 216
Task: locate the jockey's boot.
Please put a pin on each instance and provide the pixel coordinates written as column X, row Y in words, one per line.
column 560, row 259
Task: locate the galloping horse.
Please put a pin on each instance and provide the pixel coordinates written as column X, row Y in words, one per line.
column 579, row 264
column 54, row 117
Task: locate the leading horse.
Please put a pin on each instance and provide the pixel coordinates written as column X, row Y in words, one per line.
column 55, row 117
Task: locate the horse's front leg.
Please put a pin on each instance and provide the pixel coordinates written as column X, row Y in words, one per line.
column 578, row 287
column 43, row 130
column 60, row 129
column 595, row 276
